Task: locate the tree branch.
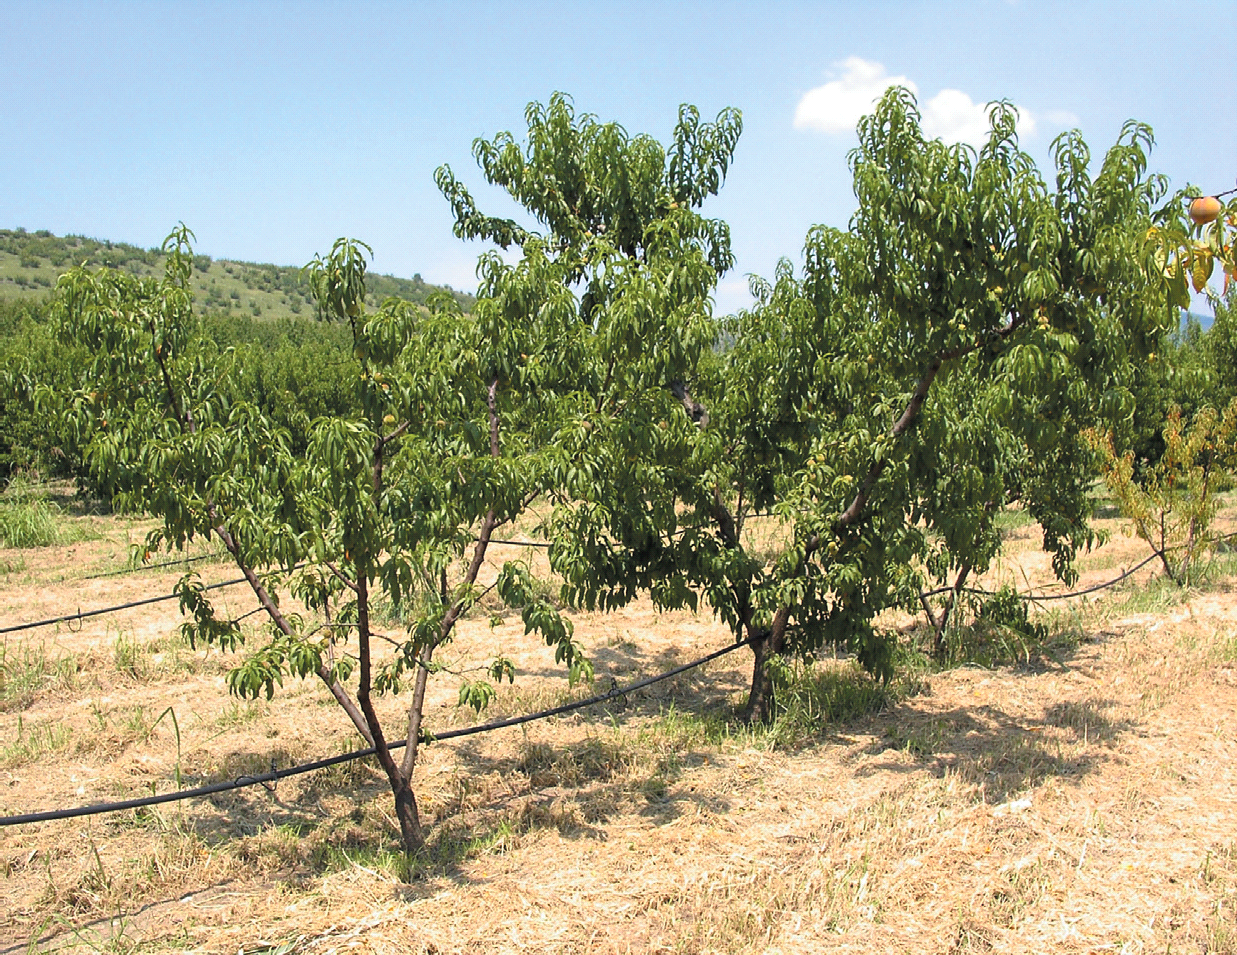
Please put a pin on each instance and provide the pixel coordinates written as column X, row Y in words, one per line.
column 343, row 578
column 325, row 674
column 695, row 410
column 281, row 622
column 398, row 432
column 903, row 424
column 378, row 739
column 910, row 414
column 457, row 607
column 415, row 711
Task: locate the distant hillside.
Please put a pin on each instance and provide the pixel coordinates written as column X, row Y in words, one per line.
column 30, row 263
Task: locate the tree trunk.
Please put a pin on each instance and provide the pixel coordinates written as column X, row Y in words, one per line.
column 409, row 818
column 951, row 601
column 1168, row 567
column 762, row 696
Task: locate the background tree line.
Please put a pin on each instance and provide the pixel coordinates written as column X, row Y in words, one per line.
column 30, row 263
column 288, row 363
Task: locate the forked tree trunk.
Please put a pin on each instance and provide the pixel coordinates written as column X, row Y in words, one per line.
column 406, row 813
column 951, row 601
column 399, row 776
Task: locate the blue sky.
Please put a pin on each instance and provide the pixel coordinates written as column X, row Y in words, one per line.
column 273, row 128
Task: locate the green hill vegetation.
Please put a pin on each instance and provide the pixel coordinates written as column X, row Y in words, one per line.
column 31, row 262
column 295, row 368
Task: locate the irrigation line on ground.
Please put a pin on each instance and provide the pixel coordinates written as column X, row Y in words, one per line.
column 1030, row 598
column 1037, row 598
column 193, row 560
column 276, row 774
column 83, row 614
column 138, row 570
column 302, row 768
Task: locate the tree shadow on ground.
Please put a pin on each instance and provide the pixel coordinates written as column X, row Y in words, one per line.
column 74, row 500
column 305, row 827
column 1000, row 753
column 109, row 932
column 634, row 757
column 626, row 663
column 708, row 689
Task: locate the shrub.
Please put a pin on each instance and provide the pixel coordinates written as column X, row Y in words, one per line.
column 1172, row 503
column 1002, row 633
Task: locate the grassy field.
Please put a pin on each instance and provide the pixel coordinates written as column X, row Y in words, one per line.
column 30, row 264
column 1077, row 796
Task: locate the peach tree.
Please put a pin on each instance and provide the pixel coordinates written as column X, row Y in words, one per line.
column 932, row 361
column 620, row 218
column 461, row 420
column 389, row 508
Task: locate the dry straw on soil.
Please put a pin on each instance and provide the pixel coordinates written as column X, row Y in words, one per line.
column 1080, row 800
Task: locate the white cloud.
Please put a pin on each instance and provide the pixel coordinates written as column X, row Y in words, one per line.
column 953, row 116
column 950, row 115
column 837, row 106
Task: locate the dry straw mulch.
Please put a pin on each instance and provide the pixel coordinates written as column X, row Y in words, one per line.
column 1082, row 801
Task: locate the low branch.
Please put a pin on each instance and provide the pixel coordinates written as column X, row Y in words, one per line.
column 378, row 741
column 185, row 414
column 951, row 601
column 398, row 432
column 415, row 710
column 488, row 523
column 281, row 622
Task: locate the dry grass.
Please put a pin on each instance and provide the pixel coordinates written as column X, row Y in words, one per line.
column 1078, row 799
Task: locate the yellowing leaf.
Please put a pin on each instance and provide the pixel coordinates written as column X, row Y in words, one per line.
column 1201, row 264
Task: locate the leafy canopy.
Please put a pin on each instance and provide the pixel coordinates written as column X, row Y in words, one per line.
column 933, row 359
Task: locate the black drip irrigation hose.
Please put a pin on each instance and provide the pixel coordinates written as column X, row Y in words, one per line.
column 1038, row 598
column 262, row 779
column 193, row 560
column 277, row 774
column 144, row 567
column 83, row 614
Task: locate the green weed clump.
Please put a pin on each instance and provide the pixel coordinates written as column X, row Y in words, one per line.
column 34, row 742
column 129, row 656
column 26, row 669
column 811, row 696
column 28, row 518
column 1002, row 633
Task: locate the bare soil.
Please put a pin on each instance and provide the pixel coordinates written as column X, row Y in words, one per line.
column 1078, row 800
